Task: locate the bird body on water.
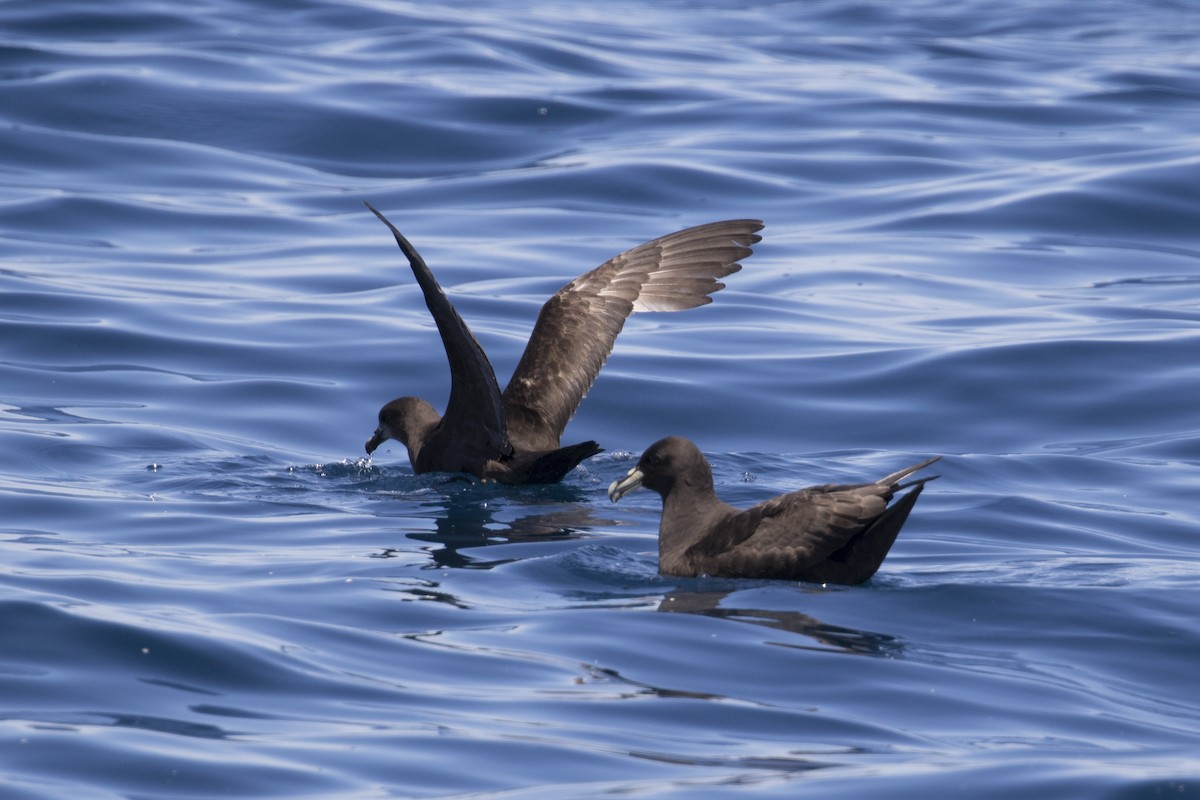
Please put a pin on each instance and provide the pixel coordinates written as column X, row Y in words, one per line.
column 833, row 533
column 514, row 437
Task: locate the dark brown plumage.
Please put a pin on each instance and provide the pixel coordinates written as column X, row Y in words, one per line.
column 823, row 534
column 514, row 437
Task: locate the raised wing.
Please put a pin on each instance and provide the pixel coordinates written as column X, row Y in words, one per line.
column 474, row 417
column 577, row 327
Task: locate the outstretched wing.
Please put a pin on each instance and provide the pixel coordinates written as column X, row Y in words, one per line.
column 577, row 327
column 474, row 415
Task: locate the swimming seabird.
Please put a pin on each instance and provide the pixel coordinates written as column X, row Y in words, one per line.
column 514, row 437
column 833, row 533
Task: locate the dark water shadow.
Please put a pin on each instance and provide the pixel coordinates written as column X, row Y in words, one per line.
column 476, row 515
column 827, row 637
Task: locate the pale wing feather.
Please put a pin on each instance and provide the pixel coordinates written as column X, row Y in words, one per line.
column 577, row 327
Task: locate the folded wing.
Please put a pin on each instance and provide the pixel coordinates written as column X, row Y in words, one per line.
column 801, row 530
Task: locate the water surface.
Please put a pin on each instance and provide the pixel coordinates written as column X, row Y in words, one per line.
column 980, row 242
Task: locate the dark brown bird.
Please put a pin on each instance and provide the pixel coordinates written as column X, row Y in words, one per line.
column 832, row 533
column 514, row 437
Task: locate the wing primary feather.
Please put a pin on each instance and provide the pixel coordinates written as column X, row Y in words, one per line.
column 577, row 327
column 475, row 410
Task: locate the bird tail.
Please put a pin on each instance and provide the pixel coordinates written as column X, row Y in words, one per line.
column 551, row 466
column 894, row 479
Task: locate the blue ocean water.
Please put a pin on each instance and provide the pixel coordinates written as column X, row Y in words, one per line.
column 981, row 241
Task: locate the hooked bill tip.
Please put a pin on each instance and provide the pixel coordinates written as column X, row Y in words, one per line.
column 623, row 486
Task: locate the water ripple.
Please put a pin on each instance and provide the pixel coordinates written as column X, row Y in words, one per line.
column 980, row 243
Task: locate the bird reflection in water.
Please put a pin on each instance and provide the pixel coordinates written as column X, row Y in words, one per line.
column 846, row 640
column 463, row 523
